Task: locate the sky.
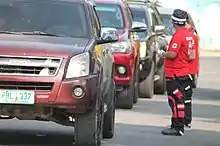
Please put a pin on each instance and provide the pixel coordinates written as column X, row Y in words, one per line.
column 204, row 14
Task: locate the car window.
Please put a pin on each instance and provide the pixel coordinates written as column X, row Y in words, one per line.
column 167, row 22
column 139, row 15
column 55, row 17
column 110, row 15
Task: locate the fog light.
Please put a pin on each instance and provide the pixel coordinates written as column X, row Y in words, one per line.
column 78, row 92
column 121, row 69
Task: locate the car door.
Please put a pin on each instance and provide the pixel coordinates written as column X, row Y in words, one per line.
column 106, row 58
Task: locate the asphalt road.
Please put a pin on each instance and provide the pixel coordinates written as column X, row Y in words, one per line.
column 140, row 126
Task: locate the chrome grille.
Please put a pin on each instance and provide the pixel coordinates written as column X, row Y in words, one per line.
column 29, row 65
column 36, row 86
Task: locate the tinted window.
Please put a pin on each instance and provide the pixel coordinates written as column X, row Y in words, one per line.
column 139, row 15
column 110, row 15
column 55, row 17
column 167, row 22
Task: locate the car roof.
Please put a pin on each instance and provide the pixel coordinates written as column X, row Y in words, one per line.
column 118, row 2
column 137, row 5
column 163, row 10
column 79, row 1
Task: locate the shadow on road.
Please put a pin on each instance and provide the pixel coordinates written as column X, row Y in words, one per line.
column 31, row 138
column 125, row 135
column 144, row 135
column 207, row 94
column 161, row 108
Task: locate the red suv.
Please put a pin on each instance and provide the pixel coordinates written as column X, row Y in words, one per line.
column 116, row 14
column 52, row 69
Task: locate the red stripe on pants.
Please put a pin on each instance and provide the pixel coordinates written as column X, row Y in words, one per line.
column 174, row 106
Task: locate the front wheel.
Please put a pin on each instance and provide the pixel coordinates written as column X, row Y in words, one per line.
column 109, row 118
column 124, row 99
column 136, row 86
column 146, row 87
column 160, row 84
column 88, row 127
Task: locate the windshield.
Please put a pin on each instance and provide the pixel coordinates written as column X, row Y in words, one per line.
column 110, row 15
column 52, row 17
column 167, row 22
column 139, row 15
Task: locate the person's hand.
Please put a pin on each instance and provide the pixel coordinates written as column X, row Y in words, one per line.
column 160, row 52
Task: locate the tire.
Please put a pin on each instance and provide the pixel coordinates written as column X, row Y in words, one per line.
column 146, row 87
column 109, row 117
column 160, row 85
column 124, row 98
column 136, row 87
column 88, row 127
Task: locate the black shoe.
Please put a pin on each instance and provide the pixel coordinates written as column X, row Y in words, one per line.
column 172, row 132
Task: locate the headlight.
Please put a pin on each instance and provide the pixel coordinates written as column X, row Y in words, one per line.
column 121, row 47
column 78, row 66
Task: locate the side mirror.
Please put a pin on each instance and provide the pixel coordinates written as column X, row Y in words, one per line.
column 138, row 27
column 108, row 35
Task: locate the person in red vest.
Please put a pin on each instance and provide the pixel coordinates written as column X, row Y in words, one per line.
column 177, row 72
column 194, row 70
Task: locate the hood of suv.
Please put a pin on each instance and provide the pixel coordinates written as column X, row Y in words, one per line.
column 41, row 45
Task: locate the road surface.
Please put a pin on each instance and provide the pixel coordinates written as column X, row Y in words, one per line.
column 140, row 126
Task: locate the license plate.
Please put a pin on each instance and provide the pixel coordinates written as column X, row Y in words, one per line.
column 17, row 97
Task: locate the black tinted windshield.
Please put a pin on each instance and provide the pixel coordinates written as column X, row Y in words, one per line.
column 139, row 15
column 110, row 15
column 48, row 16
column 167, row 22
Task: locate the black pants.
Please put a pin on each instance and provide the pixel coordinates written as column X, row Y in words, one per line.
column 188, row 86
column 193, row 80
column 176, row 95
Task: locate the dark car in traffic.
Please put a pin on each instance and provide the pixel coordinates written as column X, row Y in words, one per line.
column 52, row 68
column 151, row 65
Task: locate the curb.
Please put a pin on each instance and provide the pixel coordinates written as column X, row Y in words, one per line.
column 209, row 53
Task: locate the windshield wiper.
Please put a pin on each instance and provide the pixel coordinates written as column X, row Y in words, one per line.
column 41, row 33
column 31, row 33
column 10, row 32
